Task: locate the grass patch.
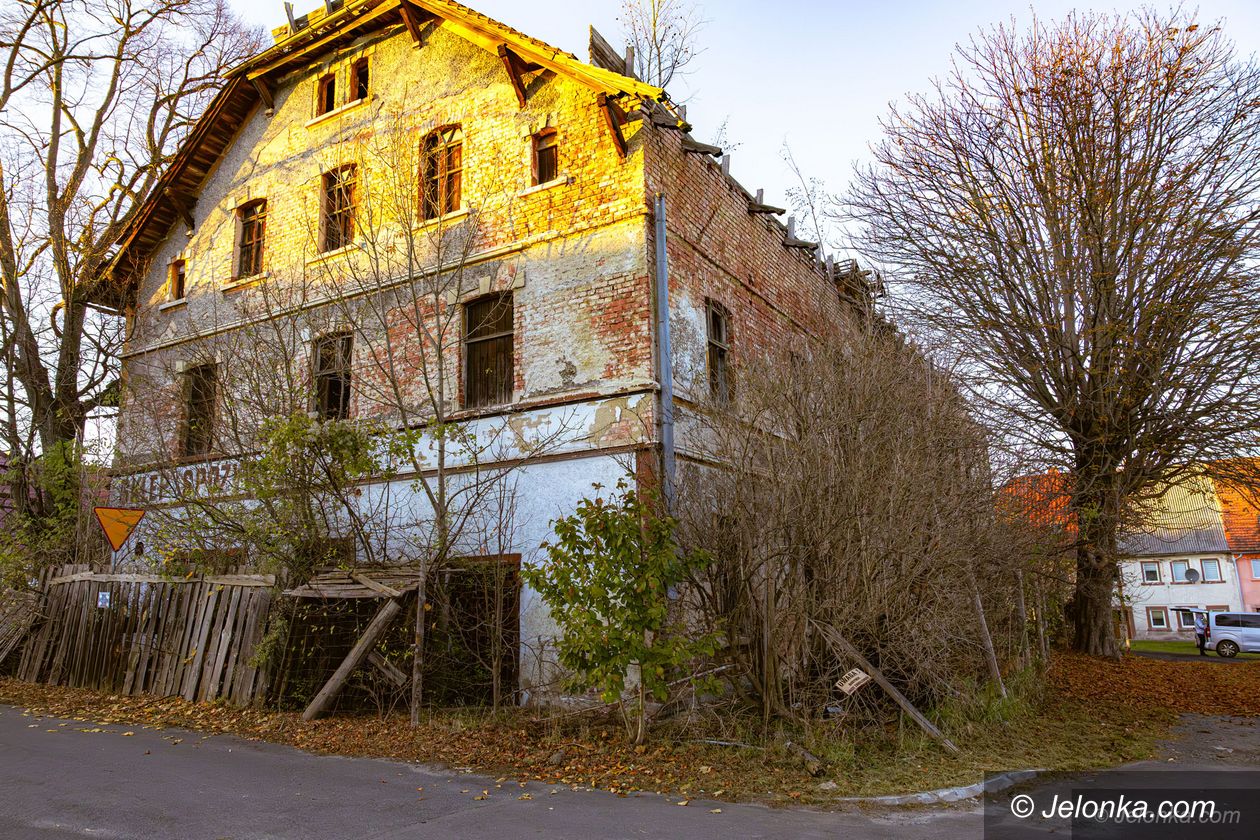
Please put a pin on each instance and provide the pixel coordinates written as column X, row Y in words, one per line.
column 1090, row 713
column 1173, row 646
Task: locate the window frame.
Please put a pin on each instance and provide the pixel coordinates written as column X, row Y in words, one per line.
column 251, row 253
column 342, row 369
column 1151, row 612
column 468, row 341
column 718, row 351
column 547, row 140
column 331, row 186
column 1255, row 568
column 326, row 94
column 1220, row 572
column 1159, row 572
column 177, row 280
column 192, row 442
column 1185, row 620
column 437, row 150
column 360, row 80
column 1172, row 571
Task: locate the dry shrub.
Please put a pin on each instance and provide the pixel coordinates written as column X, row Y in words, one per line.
column 851, row 489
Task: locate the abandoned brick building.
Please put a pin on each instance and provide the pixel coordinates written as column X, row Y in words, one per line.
column 381, row 141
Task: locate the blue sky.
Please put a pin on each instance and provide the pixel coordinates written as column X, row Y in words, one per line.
column 815, row 74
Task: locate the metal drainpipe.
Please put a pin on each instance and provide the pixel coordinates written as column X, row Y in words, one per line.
column 664, row 358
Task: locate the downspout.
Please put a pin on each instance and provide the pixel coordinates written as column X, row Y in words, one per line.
column 664, row 359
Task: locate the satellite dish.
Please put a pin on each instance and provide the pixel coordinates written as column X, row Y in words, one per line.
column 1192, row 575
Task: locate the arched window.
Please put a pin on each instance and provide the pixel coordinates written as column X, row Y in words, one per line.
column 442, row 172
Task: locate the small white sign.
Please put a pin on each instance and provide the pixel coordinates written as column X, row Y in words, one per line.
column 853, row 680
column 102, row 600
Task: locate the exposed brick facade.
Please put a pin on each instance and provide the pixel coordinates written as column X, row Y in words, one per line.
column 577, row 256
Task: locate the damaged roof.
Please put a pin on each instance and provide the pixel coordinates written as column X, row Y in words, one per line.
column 325, row 30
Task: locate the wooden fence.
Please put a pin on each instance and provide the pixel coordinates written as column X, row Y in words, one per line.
column 18, row 611
column 144, row 634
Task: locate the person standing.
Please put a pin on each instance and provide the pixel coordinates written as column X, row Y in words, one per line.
column 1200, row 632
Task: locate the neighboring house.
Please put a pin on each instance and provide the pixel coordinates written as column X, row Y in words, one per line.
column 557, row 162
column 1242, row 530
column 1180, row 558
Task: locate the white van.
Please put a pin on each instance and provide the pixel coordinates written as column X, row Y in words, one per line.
column 1231, row 632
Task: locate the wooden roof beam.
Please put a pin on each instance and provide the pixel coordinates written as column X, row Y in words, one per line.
column 515, row 70
column 183, row 206
column 415, row 19
column 759, row 205
column 693, row 146
column 616, row 118
column 264, row 93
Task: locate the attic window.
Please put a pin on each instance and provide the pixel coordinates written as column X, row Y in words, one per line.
column 359, row 79
column 546, row 157
column 326, row 94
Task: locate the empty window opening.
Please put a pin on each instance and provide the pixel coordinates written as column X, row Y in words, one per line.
column 443, row 172
column 252, row 226
column 201, row 385
column 488, row 351
column 326, row 94
column 177, row 280
column 338, row 208
column 546, row 157
column 332, row 376
column 360, row 78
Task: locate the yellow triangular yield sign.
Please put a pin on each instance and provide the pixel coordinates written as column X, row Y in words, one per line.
column 118, row 523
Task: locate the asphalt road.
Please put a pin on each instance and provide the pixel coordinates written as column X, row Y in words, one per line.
column 59, row 781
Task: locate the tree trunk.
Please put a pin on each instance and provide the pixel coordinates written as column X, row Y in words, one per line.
column 1092, row 605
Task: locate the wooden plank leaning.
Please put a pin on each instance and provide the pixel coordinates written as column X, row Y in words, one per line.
column 384, row 616
column 842, row 647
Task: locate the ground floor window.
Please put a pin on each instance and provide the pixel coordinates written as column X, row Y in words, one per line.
column 1185, row 620
column 1157, row 618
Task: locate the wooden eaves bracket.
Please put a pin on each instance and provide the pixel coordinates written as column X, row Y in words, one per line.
column 616, row 118
column 183, row 206
column 516, row 69
column 264, row 93
column 414, row 19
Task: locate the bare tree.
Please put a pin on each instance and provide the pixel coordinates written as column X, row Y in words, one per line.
column 665, row 37
column 1074, row 215
column 93, row 100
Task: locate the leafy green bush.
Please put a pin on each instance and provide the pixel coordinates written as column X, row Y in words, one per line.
column 608, row 581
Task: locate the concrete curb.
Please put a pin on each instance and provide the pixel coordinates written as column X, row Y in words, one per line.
column 947, row 795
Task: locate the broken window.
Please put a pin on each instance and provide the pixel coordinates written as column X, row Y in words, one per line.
column 176, row 281
column 332, row 376
column 326, row 94
column 442, row 162
column 359, row 79
column 338, row 208
column 488, row 351
column 719, row 349
column 252, row 225
column 201, row 385
column 546, row 157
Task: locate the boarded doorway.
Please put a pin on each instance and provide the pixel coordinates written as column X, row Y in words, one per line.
column 472, row 641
